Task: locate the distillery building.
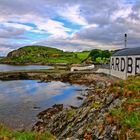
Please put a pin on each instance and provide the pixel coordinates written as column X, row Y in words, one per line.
column 125, row 62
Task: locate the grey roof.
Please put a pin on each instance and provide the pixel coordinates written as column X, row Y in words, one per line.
column 127, row 52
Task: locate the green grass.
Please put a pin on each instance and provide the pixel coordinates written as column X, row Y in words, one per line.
column 40, row 54
column 133, row 101
column 133, row 86
column 132, row 120
column 4, row 131
column 82, row 55
column 43, row 55
column 70, row 113
column 15, row 135
column 127, row 116
column 102, row 60
column 23, row 136
column 116, row 111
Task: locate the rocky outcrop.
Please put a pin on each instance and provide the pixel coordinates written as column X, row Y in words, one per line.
column 89, row 121
column 17, row 53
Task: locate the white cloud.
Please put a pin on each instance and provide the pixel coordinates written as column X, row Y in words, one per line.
column 73, row 14
column 18, row 26
column 123, row 12
column 102, row 23
column 4, row 51
column 55, row 28
column 72, row 44
column 91, row 26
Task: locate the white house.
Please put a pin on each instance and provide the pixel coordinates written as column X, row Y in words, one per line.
column 125, row 62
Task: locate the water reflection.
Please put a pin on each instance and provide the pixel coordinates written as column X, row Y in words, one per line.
column 18, row 99
column 4, row 67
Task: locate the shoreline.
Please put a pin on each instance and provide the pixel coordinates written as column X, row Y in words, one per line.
column 77, row 77
column 107, row 111
column 70, row 122
column 91, row 79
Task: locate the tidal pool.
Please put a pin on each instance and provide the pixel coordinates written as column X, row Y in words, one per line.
column 22, row 100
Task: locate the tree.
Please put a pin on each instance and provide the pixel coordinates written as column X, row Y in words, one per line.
column 105, row 54
column 94, row 54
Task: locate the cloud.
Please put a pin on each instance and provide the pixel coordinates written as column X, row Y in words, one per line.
column 73, row 14
column 55, row 28
column 69, row 25
column 5, row 47
column 71, row 44
column 4, row 50
column 10, row 33
column 17, row 26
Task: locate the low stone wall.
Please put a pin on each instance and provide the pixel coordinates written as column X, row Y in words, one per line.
column 91, row 67
column 101, row 70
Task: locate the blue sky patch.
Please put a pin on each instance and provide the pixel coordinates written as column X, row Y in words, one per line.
column 67, row 23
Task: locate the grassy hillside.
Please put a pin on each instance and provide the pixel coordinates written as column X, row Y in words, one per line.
column 40, row 54
column 127, row 116
column 45, row 55
column 82, row 55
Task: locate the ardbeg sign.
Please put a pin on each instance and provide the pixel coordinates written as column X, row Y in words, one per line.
column 123, row 66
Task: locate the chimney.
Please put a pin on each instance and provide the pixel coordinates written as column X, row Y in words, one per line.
column 125, row 41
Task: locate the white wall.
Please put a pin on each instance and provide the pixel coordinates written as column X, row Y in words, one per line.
column 123, row 66
column 83, row 68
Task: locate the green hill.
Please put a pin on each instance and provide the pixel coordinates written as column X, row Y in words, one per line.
column 40, row 55
column 48, row 55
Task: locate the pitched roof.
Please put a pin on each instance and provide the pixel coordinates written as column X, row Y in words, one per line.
column 127, row 52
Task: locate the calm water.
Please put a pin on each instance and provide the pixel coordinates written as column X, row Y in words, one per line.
column 19, row 98
column 4, row 67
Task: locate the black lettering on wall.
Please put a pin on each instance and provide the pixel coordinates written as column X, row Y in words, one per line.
column 122, row 64
column 137, row 65
column 130, row 65
column 112, row 63
column 117, row 64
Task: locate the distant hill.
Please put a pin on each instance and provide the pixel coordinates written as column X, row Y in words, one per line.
column 40, row 55
column 48, row 55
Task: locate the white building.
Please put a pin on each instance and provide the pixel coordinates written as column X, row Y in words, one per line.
column 125, row 62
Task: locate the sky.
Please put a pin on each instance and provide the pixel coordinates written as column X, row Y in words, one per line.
column 69, row 25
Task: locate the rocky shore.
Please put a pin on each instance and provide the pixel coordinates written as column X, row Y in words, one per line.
column 86, row 122
column 79, row 77
column 111, row 111
column 94, row 118
column 75, row 123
